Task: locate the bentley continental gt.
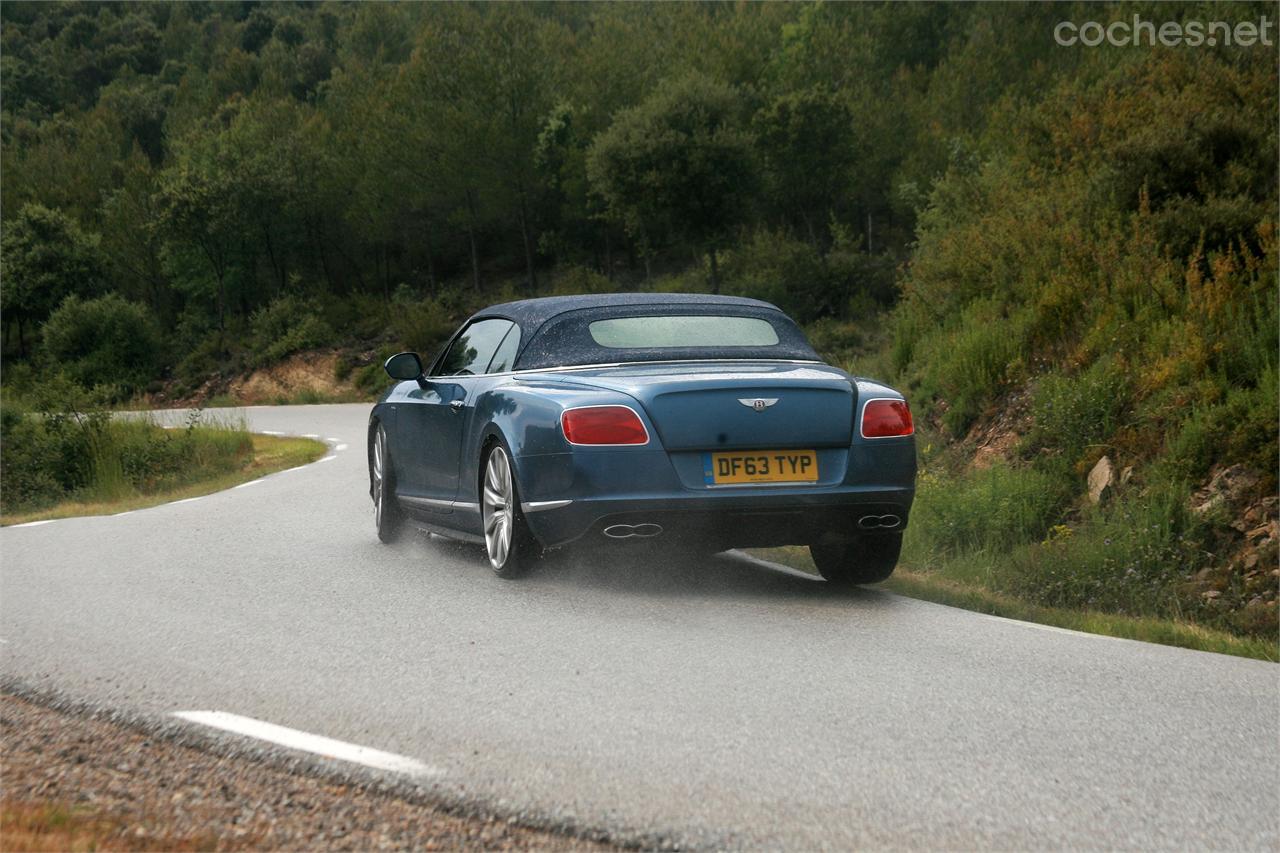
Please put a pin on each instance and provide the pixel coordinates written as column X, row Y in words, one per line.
column 708, row 422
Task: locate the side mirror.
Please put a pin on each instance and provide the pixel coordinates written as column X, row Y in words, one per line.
column 404, row 365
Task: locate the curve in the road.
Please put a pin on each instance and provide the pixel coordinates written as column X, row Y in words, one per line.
column 721, row 701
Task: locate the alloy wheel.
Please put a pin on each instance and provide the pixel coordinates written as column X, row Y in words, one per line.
column 498, row 508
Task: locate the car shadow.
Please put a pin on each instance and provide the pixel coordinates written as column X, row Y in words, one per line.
column 668, row 573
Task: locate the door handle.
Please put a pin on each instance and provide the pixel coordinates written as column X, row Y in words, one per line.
column 456, row 406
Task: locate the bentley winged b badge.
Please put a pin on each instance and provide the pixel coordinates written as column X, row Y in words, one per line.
column 759, row 404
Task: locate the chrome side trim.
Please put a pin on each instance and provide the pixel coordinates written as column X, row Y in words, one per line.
column 539, row 506
column 437, row 505
column 572, row 367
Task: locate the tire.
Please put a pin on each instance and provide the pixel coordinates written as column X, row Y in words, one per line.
column 510, row 547
column 860, row 560
column 386, row 512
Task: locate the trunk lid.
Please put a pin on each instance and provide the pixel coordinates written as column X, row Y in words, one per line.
column 712, row 406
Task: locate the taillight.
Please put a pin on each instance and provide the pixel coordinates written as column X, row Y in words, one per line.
column 603, row 425
column 884, row 418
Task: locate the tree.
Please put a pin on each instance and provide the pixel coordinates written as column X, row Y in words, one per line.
column 104, row 341
column 680, row 163
column 806, row 145
column 44, row 258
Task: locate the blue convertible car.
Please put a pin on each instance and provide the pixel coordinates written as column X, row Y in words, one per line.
column 708, row 421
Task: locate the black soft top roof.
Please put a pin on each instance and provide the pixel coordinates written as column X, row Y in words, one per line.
column 554, row 329
column 530, row 314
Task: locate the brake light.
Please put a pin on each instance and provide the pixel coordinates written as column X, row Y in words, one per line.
column 884, row 418
column 603, row 425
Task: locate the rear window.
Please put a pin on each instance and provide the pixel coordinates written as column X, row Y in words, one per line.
column 681, row 332
column 617, row 334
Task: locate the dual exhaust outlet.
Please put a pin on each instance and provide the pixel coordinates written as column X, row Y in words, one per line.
column 629, row 531
column 879, row 522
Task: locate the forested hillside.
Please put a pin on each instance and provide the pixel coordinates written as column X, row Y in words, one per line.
column 1061, row 254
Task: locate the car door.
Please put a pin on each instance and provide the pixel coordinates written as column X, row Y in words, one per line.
column 434, row 417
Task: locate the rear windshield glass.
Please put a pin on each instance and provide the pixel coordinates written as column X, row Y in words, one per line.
column 628, row 333
column 683, row 331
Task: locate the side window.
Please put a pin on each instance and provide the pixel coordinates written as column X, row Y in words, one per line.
column 474, row 348
column 506, row 355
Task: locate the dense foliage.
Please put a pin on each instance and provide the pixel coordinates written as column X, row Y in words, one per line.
column 207, row 159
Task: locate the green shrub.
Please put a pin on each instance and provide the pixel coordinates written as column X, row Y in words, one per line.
column 422, row 327
column 1126, row 558
column 970, row 363
column 86, row 455
column 104, row 341
column 1072, row 413
column 287, row 325
column 991, row 510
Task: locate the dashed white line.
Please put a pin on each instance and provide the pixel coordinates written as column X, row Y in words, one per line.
column 310, row 435
column 189, row 500
column 327, row 459
column 247, row 485
column 307, row 742
column 340, row 447
column 35, row 523
column 271, row 432
column 333, row 440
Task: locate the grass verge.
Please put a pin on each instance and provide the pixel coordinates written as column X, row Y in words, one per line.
column 929, row 587
column 270, row 454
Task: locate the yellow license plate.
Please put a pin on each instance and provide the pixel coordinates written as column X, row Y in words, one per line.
column 760, row 466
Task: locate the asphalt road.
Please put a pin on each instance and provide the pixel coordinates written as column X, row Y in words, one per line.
column 716, row 701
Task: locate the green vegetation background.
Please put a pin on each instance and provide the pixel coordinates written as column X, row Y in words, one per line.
column 1081, row 242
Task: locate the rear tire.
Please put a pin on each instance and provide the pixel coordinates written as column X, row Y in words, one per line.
column 386, row 511
column 860, row 560
column 510, row 547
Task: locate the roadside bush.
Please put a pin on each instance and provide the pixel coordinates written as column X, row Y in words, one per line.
column 104, row 341
column 87, row 455
column 287, row 325
column 1125, row 558
column 971, row 363
column 422, row 327
column 992, row 510
column 1073, row 412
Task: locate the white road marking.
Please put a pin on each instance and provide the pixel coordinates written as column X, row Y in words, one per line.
column 271, row 432
column 1054, row 628
column 118, row 514
column 35, row 523
column 189, row 500
column 327, row 459
column 306, row 742
column 310, row 435
column 340, row 447
column 333, row 440
column 247, row 485
column 289, row 470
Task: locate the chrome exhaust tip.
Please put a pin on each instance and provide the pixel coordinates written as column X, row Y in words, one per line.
column 629, row 531
column 879, row 522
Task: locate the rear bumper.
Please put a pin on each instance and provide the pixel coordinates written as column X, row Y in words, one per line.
column 766, row 518
column 568, row 496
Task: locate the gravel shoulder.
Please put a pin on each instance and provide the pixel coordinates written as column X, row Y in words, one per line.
column 74, row 782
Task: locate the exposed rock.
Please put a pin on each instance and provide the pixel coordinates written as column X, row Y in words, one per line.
column 1261, row 532
column 1101, row 479
column 1227, row 487
column 1126, row 475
